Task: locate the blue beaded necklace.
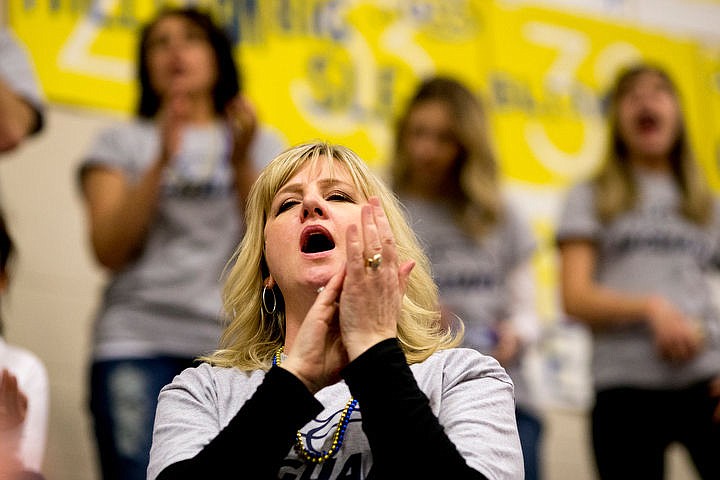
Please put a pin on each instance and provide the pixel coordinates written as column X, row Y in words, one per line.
column 338, row 436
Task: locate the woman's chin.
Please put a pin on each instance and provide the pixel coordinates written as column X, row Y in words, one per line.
column 319, row 276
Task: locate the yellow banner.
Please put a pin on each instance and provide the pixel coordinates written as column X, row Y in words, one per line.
column 709, row 93
column 341, row 73
column 342, row 69
column 548, row 80
column 315, row 68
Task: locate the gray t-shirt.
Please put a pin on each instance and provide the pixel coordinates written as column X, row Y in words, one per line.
column 470, row 394
column 18, row 72
column 167, row 302
column 650, row 249
column 472, row 275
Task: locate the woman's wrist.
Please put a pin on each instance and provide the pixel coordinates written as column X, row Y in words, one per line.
column 653, row 307
column 296, row 371
column 360, row 346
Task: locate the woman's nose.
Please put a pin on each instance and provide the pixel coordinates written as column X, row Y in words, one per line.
column 312, row 207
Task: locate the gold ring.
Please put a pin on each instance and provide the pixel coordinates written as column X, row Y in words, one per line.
column 374, row 262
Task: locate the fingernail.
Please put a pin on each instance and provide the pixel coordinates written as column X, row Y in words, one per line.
column 320, row 289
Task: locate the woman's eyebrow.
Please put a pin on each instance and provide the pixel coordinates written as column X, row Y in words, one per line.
column 290, row 187
column 332, row 182
column 324, row 183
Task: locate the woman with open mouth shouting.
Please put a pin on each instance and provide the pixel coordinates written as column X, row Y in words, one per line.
column 334, row 363
column 636, row 244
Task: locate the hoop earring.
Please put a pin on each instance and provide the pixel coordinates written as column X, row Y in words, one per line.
column 264, row 297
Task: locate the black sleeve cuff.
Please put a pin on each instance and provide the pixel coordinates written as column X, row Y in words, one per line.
column 365, row 366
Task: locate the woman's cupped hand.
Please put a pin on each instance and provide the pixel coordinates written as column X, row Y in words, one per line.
column 375, row 282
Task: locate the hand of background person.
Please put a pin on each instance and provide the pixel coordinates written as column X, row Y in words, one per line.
column 172, row 122
column 371, row 299
column 676, row 336
column 317, row 354
column 13, row 402
column 508, row 344
column 242, row 119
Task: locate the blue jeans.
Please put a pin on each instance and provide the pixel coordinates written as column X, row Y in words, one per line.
column 123, row 399
column 530, row 430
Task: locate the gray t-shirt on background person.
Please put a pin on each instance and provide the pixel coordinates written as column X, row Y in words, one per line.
column 469, row 393
column 472, row 275
column 650, row 249
column 168, row 301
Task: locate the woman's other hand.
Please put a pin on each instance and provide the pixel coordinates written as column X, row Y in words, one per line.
column 317, row 354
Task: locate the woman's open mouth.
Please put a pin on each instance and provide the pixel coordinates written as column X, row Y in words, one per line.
column 647, row 121
column 316, row 239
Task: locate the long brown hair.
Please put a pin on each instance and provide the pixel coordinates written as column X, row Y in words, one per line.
column 474, row 184
column 615, row 189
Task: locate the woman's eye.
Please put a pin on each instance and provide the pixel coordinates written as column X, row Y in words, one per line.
column 195, row 35
column 286, row 205
column 156, row 43
column 339, row 197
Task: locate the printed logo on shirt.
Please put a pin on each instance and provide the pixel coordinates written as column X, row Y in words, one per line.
column 349, row 468
column 467, row 280
column 317, row 437
column 657, row 243
column 201, row 168
column 189, row 190
column 658, row 235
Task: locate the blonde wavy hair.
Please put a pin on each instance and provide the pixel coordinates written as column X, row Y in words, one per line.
column 252, row 337
column 615, row 189
column 474, row 184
